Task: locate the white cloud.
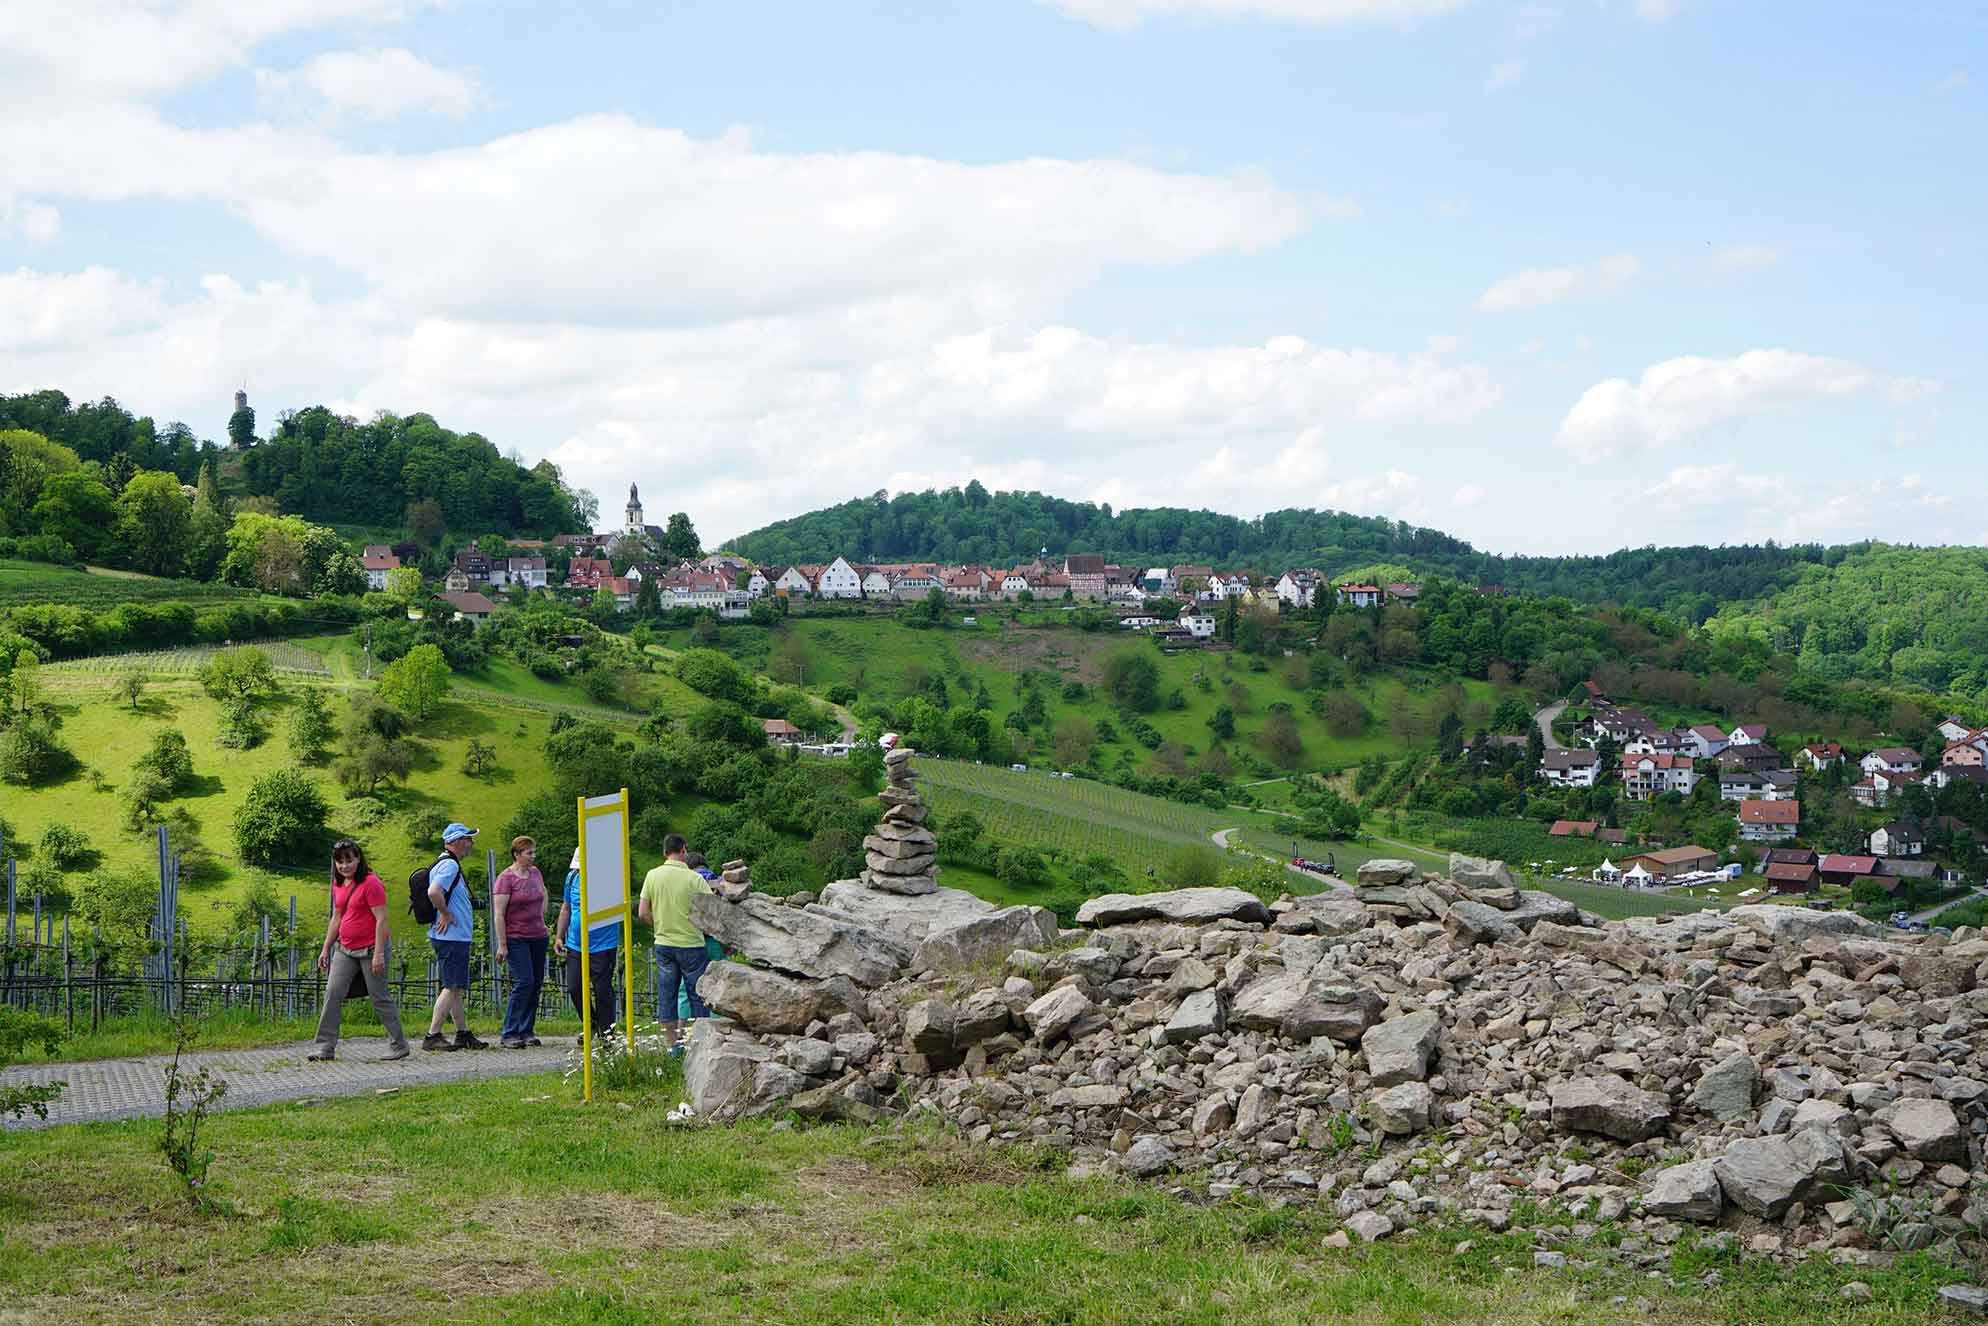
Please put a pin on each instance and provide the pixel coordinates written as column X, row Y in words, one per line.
column 1507, row 73
column 1470, row 495
column 1953, row 82
column 1391, row 492
column 1538, row 286
column 1741, row 257
column 372, row 84
column 54, row 309
column 1443, row 343
column 1711, row 483
column 1679, row 397
column 1122, row 14
column 1658, row 11
column 37, row 223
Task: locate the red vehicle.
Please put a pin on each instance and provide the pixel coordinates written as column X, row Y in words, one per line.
column 1316, row 867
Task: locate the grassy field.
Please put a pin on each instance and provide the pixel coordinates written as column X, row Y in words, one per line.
column 570, row 1215
column 36, row 582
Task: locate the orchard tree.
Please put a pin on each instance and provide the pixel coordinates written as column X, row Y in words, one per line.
column 282, row 820
column 417, row 681
column 311, row 728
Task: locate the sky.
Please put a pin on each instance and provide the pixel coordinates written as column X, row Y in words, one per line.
column 1554, row 277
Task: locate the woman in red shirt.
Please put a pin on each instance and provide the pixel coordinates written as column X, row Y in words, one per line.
column 517, row 903
column 355, row 941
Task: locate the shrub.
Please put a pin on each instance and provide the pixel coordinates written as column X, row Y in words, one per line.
column 30, row 754
column 1020, row 867
column 144, row 798
column 242, row 727
column 282, row 820
column 169, row 759
column 45, row 879
column 368, row 811
column 65, row 848
column 1191, row 865
column 1133, row 680
column 311, row 728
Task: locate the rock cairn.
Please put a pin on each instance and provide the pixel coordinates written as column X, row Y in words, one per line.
column 901, row 855
column 1417, row 1049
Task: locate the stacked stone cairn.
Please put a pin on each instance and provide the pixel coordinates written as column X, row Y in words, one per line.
column 901, row 855
column 1417, row 1049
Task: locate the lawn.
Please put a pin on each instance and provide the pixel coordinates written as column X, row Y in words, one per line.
column 570, row 1215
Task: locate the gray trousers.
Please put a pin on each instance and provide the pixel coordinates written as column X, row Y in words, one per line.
column 345, row 964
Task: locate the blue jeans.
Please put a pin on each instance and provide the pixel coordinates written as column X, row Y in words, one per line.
column 674, row 965
column 526, row 958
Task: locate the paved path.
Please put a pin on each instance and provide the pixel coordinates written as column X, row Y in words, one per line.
column 102, row 1089
column 1931, row 912
column 1545, row 718
column 1221, row 839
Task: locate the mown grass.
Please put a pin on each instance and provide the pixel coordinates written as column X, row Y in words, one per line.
column 509, row 1200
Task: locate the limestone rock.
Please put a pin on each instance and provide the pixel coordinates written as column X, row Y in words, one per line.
column 1369, row 1226
column 906, row 919
column 987, row 937
column 1764, row 1176
column 1053, row 1014
column 719, row 1060
column 903, row 886
column 763, row 1000
column 1607, row 1105
column 1385, row 870
column 1792, row 925
column 984, row 1014
column 1189, row 906
column 1403, row 1110
column 802, row 942
column 1476, row 923
column 1689, row 1191
column 1929, row 1129
column 1479, row 872
column 928, row 1026
column 880, row 864
column 1399, row 1049
column 1298, row 1007
column 1146, row 1157
column 1200, row 1014
column 1727, row 1090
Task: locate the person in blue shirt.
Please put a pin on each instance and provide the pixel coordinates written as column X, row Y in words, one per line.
column 450, row 936
column 596, row 965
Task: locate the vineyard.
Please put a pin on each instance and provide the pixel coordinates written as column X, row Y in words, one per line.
column 189, row 660
column 23, row 583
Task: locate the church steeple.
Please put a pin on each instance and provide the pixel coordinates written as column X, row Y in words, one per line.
column 632, row 525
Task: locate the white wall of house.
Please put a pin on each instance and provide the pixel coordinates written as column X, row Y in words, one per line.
column 840, row 581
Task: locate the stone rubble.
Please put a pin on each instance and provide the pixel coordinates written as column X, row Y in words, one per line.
column 1417, row 1049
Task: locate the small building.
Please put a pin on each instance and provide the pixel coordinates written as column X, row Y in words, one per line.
column 1786, row 856
column 780, row 732
column 1652, row 775
column 1747, row 734
column 1891, row 759
column 1769, row 821
column 1198, row 623
column 1791, row 878
column 1844, row 869
column 1820, row 755
column 470, row 606
column 1898, row 838
column 526, row 572
column 1671, row 862
column 376, row 565
column 1572, row 829
column 1359, row 596
column 1951, row 728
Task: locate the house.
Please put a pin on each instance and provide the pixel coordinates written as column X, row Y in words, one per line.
column 1616, row 836
column 1820, row 755
column 839, row 580
column 1358, row 596
column 967, row 584
column 1952, row 729
column 588, row 572
column 1674, row 861
column 876, row 582
column 780, row 732
column 1570, row 768
column 1971, row 749
column 1138, row 621
column 1747, row 734
column 1769, row 821
column 1572, row 829
column 1647, row 776
column 623, row 589
column 1841, row 869
column 1956, row 773
column 756, row 582
column 1180, row 575
column 1755, row 755
column 1157, row 581
column 376, row 550
column 1900, row 868
column 1898, row 838
column 1401, row 593
column 376, row 565
column 1785, row 856
column 1891, row 759
column 1222, row 587
column 1087, row 575
column 1790, row 878
column 1619, row 725
column 474, row 565
column 526, row 572
column 1741, row 785
column 1015, row 583
column 1702, row 741
column 911, row 582
column 793, row 581
column 1879, row 788
column 1781, row 783
column 1197, row 622
column 470, row 606
column 456, row 581
column 1592, row 689
column 1297, row 588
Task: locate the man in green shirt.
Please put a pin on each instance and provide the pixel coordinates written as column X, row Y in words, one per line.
column 680, row 957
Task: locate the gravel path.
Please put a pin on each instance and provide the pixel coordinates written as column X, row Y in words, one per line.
column 135, row 1088
column 1546, row 718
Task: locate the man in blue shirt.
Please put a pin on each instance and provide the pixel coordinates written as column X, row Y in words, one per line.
column 603, row 947
column 450, row 936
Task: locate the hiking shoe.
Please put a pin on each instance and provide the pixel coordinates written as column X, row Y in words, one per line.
column 533, row 1040
column 466, row 1040
column 321, row 1056
column 394, row 1052
column 435, row 1040
column 513, row 1042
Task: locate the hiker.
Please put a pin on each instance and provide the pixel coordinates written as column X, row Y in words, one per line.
column 517, row 916
column 680, row 957
column 451, row 934
column 596, row 965
column 713, row 950
column 355, row 946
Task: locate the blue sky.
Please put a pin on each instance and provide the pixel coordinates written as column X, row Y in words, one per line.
column 1553, row 277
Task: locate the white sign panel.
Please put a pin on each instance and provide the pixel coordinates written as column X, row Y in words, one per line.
column 605, row 861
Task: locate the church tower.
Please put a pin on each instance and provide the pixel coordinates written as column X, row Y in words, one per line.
column 633, row 525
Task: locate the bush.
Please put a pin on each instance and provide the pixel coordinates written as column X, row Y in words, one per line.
column 1132, row 679
column 65, row 848
column 1020, row 867
column 30, row 754
column 311, row 728
column 170, row 760
column 119, row 904
column 144, row 798
column 282, row 821
column 367, row 812
column 43, row 878
column 649, row 827
column 1191, row 865
column 842, row 693
column 242, row 727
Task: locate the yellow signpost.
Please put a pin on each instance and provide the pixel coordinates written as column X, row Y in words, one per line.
column 604, row 897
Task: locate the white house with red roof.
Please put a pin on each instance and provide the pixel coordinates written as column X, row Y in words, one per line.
column 1652, row 775
column 1358, row 596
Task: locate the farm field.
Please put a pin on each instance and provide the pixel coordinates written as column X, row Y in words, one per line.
column 287, row 657
column 36, row 582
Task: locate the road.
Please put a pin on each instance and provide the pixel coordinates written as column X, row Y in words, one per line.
column 1545, row 719
column 1931, row 912
column 1221, row 839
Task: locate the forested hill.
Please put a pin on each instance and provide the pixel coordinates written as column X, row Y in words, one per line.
column 975, row 525
column 319, row 465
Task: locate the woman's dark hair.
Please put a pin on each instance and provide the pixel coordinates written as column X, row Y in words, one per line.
column 695, row 860
column 350, row 845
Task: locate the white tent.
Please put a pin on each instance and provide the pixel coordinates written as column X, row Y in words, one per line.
column 1608, row 872
column 1637, row 877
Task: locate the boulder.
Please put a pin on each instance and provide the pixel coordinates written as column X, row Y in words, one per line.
column 908, row 919
column 1472, row 923
column 928, row 1026
column 986, row 938
column 1385, row 870
column 1607, row 1105
column 1479, row 872
column 773, row 1084
column 1187, row 906
column 1689, row 1191
column 1403, row 1110
column 1792, row 925
column 923, row 848
column 760, row 999
column 1200, row 1014
column 1093, row 1096
column 1299, row 1007
column 902, row 886
column 808, row 1056
column 1146, row 1157
column 1929, row 1129
column 880, row 864
column 983, row 1014
column 1727, row 1089
column 1054, row 1013
column 1334, row 914
column 1369, row 1226
column 719, row 1060
column 1399, row 1049
column 896, row 831
column 1535, row 906
column 1764, row 1176
column 800, row 941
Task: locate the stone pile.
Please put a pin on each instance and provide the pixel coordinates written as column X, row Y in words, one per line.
column 901, row 855
column 1418, row 1048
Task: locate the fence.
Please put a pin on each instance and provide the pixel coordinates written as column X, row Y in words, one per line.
column 46, row 967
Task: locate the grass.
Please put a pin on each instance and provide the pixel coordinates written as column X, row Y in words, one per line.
column 605, row 1215
column 96, row 589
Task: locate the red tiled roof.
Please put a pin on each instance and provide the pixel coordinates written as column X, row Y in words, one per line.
column 1841, row 864
column 1770, row 812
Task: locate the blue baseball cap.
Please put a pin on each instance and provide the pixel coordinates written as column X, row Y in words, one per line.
column 455, row 831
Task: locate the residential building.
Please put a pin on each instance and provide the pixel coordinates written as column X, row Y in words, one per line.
column 1087, row 575
column 1785, row 856
column 470, row 606
column 1741, row 785
column 1401, row 593
column 588, row 572
column 456, row 581
column 839, row 580
column 1647, row 776
column 474, row 565
column 376, row 565
column 1781, row 783
column 780, row 732
column 1197, row 622
column 1769, row 821
column 1971, row 749
column 1956, row 773
column 1358, row 596
column 1820, row 755
column 526, row 572
column 915, row 583
column 1180, row 575
column 1299, row 588
column 1702, row 741
column 1221, row 587
column 1570, row 768
column 1891, row 759
column 793, row 581
column 1898, row 838
column 1789, row 878
column 1952, row 729
column 1747, row 734
column 1573, row 829
column 1674, row 861
column 966, row 585
column 1877, row 789
column 1015, row 582
column 1158, row 581
column 1755, row 755
column 376, row 550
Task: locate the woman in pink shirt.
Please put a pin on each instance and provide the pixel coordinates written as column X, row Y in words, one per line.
column 354, row 942
column 517, row 905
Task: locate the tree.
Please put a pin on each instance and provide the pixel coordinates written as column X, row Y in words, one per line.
column 1535, row 748
column 143, row 797
column 243, row 673
column 130, row 688
column 404, row 583
column 1278, row 738
column 311, row 728
column 23, row 691
column 371, row 759
column 242, row 727
column 1344, row 715
column 65, row 847
column 29, row 751
column 77, row 508
column 1072, row 742
column 649, row 597
column 241, row 427
column 154, row 523
column 282, row 820
column 1222, row 723
column 170, row 760
column 417, row 681
column 479, row 760
column 1133, row 680
column 424, row 522
column 680, row 538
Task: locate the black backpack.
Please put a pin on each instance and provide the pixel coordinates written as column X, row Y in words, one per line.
column 418, row 901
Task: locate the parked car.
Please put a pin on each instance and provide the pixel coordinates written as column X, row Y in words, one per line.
column 1019, row 768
